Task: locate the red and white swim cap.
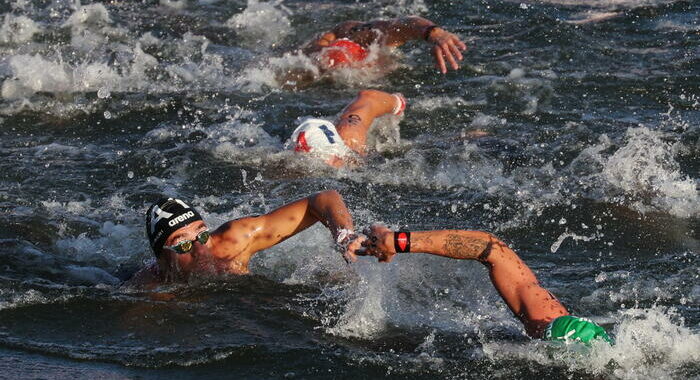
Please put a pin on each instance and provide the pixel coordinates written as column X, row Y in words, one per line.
column 318, row 137
column 342, row 53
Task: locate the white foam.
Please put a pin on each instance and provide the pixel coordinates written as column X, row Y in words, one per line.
column 363, row 314
column 33, row 74
column 175, row 4
column 645, row 168
column 17, row 29
column 262, row 24
column 92, row 16
column 278, row 71
column 650, row 344
column 73, row 207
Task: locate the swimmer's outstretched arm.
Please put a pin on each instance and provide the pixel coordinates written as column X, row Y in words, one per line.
column 447, row 47
column 513, row 279
column 356, row 119
column 253, row 234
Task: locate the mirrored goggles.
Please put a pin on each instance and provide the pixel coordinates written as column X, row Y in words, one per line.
column 186, row 246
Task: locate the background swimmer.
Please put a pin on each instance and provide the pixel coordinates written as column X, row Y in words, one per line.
column 345, row 141
column 348, row 45
column 446, row 47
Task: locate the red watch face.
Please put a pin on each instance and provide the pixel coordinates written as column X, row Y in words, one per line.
column 402, row 240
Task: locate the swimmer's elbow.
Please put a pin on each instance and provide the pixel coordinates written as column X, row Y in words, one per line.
column 327, row 197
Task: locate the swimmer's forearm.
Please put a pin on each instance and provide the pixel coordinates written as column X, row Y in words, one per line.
column 404, row 29
column 369, row 103
column 455, row 244
column 394, row 32
column 329, row 208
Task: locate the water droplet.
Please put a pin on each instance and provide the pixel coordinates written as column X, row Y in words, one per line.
column 103, row 93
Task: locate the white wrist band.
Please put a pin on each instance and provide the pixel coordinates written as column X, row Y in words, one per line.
column 400, row 104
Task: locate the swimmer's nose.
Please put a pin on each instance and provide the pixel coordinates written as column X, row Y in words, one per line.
column 198, row 248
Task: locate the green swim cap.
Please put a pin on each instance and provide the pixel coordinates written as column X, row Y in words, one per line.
column 569, row 328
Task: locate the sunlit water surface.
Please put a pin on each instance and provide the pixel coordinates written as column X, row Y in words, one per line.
column 589, row 170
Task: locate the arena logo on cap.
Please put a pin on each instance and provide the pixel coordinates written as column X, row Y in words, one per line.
column 181, row 218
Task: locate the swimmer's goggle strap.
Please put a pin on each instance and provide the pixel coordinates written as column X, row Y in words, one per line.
column 186, row 246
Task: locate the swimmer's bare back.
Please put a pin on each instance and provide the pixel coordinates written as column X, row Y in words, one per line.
column 513, row 279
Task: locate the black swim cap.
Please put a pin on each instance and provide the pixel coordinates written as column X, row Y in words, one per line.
column 165, row 217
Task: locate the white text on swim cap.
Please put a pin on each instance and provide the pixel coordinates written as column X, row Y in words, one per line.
column 181, row 218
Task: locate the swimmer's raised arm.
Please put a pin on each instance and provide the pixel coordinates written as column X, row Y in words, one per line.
column 356, row 119
column 512, row 278
column 447, row 47
column 257, row 233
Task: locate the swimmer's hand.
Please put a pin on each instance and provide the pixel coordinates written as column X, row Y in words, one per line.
column 379, row 243
column 350, row 245
column 446, row 47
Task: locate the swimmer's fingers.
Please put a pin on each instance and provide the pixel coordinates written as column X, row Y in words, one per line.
column 354, row 249
column 439, row 60
column 377, row 243
column 454, row 48
column 461, row 45
column 448, row 54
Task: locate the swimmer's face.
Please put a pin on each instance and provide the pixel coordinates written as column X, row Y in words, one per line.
column 189, row 233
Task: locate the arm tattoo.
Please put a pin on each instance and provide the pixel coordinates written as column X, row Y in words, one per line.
column 354, row 119
column 460, row 247
column 425, row 242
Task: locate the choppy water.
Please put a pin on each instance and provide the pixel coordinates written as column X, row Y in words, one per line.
column 590, row 171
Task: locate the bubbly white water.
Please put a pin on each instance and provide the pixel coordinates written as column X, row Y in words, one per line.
column 262, row 24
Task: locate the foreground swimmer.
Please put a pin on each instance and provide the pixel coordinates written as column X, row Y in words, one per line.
column 346, row 42
column 540, row 312
column 344, row 142
column 184, row 245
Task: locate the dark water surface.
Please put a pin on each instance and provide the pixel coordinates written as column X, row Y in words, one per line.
column 590, row 170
